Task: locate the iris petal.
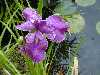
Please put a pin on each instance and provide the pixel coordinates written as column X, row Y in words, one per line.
column 42, row 42
column 58, row 27
column 29, row 13
column 39, row 57
column 33, row 52
column 26, row 26
column 59, row 36
column 38, row 39
column 30, row 37
column 43, row 27
column 57, row 22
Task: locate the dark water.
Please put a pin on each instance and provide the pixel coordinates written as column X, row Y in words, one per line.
column 89, row 61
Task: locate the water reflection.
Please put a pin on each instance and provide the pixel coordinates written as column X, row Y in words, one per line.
column 90, row 50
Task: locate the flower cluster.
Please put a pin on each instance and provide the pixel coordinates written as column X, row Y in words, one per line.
column 52, row 28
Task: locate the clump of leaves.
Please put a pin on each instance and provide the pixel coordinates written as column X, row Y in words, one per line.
column 61, row 56
column 17, row 59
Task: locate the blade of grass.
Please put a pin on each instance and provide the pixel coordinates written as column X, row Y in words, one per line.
column 9, row 43
column 40, row 6
column 28, row 3
column 2, row 34
column 12, row 16
column 7, row 7
column 41, row 69
column 9, row 30
column 6, row 72
column 6, row 25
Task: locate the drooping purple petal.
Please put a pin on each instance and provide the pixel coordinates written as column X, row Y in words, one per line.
column 29, row 13
column 56, row 36
column 26, row 26
column 39, row 57
column 59, row 36
column 34, row 52
column 58, row 27
column 51, row 36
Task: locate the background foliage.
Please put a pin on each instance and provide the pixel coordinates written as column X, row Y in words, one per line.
column 59, row 56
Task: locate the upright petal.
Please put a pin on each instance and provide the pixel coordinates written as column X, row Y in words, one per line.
column 57, row 22
column 37, row 39
column 29, row 13
column 30, row 37
column 26, row 26
column 41, row 40
column 58, row 27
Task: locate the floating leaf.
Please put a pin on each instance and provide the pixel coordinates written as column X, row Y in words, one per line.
column 65, row 8
column 77, row 23
column 98, row 27
column 85, row 3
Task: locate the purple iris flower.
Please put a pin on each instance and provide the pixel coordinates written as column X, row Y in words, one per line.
column 35, row 46
column 53, row 28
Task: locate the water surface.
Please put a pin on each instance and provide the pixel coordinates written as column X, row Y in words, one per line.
column 89, row 61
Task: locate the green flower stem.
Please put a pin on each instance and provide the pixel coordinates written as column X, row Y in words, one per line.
column 30, row 65
column 39, row 69
column 49, row 50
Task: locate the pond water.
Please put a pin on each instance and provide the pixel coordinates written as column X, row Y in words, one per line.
column 89, row 55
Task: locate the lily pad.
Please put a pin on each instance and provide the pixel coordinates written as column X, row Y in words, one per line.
column 85, row 3
column 77, row 23
column 65, row 8
column 98, row 27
